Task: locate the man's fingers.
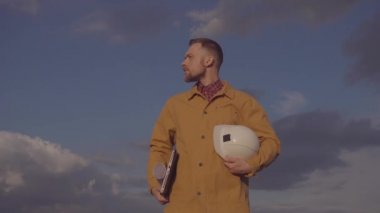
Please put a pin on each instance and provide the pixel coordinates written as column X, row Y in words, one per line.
column 229, row 162
column 156, row 193
column 236, row 165
column 230, row 159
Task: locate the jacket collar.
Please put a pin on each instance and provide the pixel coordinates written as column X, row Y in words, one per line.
column 226, row 90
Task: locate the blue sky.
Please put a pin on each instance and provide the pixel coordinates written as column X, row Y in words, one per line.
column 82, row 82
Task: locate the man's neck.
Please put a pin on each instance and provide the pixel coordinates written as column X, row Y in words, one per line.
column 208, row 81
column 210, row 77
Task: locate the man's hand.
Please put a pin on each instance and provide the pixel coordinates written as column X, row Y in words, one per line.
column 237, row 166
column 161, row 199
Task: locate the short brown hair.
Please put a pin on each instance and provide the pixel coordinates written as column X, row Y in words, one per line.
column 212, row 46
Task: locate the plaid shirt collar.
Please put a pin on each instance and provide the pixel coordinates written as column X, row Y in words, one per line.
column 210, row 91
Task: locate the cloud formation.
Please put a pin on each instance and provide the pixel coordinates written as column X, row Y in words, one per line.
column 125, row 24
column 60, row 181
column 16, row 149
column 363, row 46
column 245, row 16
column 314, row 141
column 40, row 176
column 25, row 6
column 290, row 103
column 345, row 189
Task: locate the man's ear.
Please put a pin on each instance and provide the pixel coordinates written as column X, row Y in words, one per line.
column 209, row 61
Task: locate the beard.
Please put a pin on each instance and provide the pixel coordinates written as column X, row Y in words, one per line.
column 190, row 78
column 195, row 77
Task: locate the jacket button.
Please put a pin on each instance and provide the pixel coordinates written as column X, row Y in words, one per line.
column 199, row 193
column 205, row 112
column 203, row 137
column 200, row 164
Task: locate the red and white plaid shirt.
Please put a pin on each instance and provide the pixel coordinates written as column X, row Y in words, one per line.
column 210, row 91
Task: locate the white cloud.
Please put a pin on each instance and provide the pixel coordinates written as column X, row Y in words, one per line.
column 116, row 184
column 45, row 155
column 113, row 160
column 244, row 16
column 26, row 6
column 125, row 24
column 353, row 188
column 290, row 103
column 60, row 181
column 349, row 189
column 11, row 180
column 228, row 16
column 313, row 141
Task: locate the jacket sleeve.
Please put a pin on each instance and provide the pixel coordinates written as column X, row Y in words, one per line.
column 255, row 118
column 160, row 145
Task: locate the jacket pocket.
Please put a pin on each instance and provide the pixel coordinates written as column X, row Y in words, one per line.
column 226, row 114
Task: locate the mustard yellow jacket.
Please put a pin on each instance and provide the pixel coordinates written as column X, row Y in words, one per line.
column 203, row 183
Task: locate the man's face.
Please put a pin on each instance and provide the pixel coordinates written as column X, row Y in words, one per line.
column 193, row 63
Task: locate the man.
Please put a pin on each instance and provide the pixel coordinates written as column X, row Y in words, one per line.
column 204, row 181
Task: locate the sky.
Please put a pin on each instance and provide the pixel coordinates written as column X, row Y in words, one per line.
column 82, row 83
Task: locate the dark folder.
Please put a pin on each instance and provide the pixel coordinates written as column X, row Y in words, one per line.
column 171, row 168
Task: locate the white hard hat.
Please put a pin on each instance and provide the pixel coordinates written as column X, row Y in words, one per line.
column 235, row 141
